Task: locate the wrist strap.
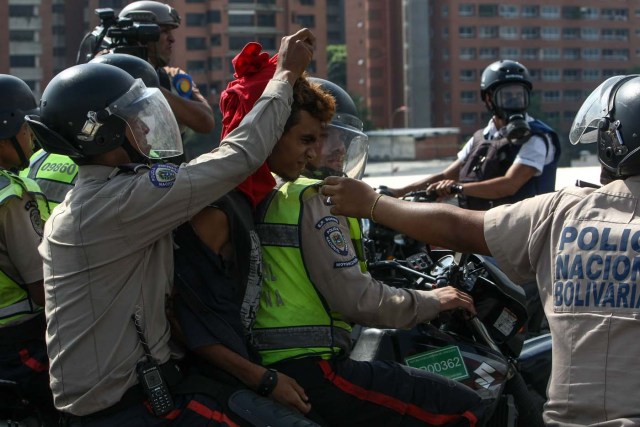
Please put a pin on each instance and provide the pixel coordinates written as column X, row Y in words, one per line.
column 268, row 382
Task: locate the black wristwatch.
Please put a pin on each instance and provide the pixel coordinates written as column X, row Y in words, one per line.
column 268, row 382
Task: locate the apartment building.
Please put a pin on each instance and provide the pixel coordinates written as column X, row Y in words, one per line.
column 428, row 56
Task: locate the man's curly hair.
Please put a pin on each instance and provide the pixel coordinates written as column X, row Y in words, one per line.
column 311, row 98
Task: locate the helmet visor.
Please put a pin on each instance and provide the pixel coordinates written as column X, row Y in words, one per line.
column 584, row 129
column 512, row 97
column 343, row 150
column 150, row 121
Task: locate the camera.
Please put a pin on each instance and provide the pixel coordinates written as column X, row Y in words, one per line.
column 118, row 36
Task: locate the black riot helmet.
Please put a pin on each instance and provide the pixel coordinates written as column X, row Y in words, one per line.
column 91, row 109
column 137, row 67
column 151, row 12
column 17, row 102
column 509, row 86
column 345, row 147
column 609, row 117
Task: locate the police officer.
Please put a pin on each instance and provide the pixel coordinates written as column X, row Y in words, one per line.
column 579, row 243
column 314, row 286
column 23, row 210
column 56, row 174
column 191, row 109
column 514, row 157
column 108, row 250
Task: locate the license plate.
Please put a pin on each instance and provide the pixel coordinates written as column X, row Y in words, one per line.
column 446, row 361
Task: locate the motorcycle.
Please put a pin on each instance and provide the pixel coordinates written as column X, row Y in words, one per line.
column 487, row 352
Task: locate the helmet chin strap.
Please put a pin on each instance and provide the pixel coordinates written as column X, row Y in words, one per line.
column 24, row 162
column 134, row 155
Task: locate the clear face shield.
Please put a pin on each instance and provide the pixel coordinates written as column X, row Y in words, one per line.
column 597, row 106
column 511, row 98
column 151, row 124
column 343, row 152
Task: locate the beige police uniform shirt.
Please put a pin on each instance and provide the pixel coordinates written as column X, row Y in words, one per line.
column 584, row 246
column 333, row 268
column 108, row 254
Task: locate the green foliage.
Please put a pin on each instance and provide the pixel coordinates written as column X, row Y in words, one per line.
column 337, row 64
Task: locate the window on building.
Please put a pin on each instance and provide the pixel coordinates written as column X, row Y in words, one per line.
column 196, row 43
column 510, row 52
column 22, row 11
column 610, row 72
column 590, row 13
column 590, row 75
column 488, row 32
column 616, row 54
column 530, row 53
column 617, row 14
column 195, row 1
column 469, row 118
column 215, row 63
column 267, row 19
column 590, row 33
column 571, row 12
column 268, row 42
column 551, row 75
column 446, row 75
column 550, row 12
column 22, row 61
column 488, row 53
column 195, row 19
column 196, row 66
column 509, row 33
column 445, row 33
column 530, row 11
column 571, row 53
column 215, row 40
column 23, row 36
column 59, row 51
column 307, row 21
column 444, row 11
column 572, row 95
column 487, row 10
column 570, row 33
column 551, row 116
column 534, row 74
column 615, row 34
column 238, row 42
column 214, row 16
column 571, row 74
column 530, row 32
column 468, row 96
column 468, row 75
column 307, row 2
column 551, row 53
column 508, row 11
column 551, row 96
column 568, row 116
column 57, row 8
column 466, row 32
column 550, row 33
column 242, row 19
column 466, row 9
column 467, row 53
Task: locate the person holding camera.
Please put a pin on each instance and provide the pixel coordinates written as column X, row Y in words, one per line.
column 190, row 108
column 108, row 249
column 514, row 157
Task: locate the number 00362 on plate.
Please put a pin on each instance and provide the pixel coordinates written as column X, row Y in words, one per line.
column 446, row 361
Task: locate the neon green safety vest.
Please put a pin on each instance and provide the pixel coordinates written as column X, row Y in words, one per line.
column 55, row 174
column 294, row 320
column 14, row 299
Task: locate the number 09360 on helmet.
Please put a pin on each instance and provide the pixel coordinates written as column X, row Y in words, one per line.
column 609, row 117
column 94, row 108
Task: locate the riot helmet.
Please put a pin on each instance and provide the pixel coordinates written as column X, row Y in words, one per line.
column 509, row 87
column 345, row 146
column 151, row 12
column 137, row 67
column 609, row 117
column 18, row 101
column 94, row 108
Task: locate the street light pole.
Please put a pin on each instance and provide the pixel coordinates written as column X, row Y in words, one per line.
column 400, row 109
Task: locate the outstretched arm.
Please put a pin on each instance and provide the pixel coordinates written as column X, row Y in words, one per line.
column 434, row 223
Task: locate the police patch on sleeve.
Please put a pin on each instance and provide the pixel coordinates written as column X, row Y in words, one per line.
column 163, row 175
column 336, row 241
column 34, row 216
column 325, row 220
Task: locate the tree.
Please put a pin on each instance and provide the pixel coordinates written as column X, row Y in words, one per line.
column 337, row 64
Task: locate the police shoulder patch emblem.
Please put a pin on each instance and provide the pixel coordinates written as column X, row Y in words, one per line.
column 336, row 241
column 163, row 175
column 34, row 216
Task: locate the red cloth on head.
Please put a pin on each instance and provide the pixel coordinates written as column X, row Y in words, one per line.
column 253, row 70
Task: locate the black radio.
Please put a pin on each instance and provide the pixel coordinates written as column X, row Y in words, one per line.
column 155, row 387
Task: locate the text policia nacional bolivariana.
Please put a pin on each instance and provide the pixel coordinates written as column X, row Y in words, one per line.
column 598, row 270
